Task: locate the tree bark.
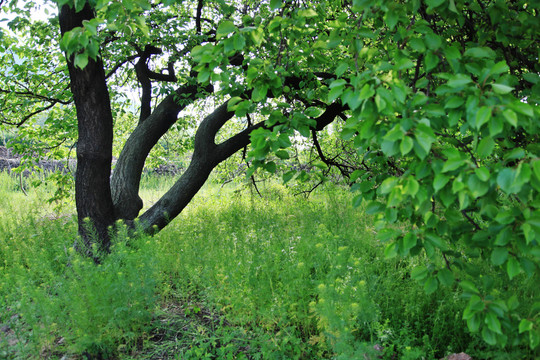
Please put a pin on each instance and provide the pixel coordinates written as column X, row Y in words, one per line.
column 127, row 173
column 206, row 156
column 94, row 147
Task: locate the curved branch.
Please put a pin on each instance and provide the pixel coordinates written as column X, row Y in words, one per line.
column 207, row 155
column 198, row 16
column 145, row 75
column 127, row 173
column 120, row 64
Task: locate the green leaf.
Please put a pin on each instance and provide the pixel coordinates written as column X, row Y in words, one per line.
column 387, row 185
column 499, row 68
column 406, row 145
column 432, row 61
column 440, row 181
column 512, row 267
column 319, row 164
column 404, row 63
column 307, row 13
column 459, row 81
column 522, row 108
column 482, row 116
column 270, row 167
column 474, row 323
column 514, row 154
column 445, row 277
column 259, row 92
column 239, row 42
column 409, row 241
column 469, row 287
column 257, row 36
column 79, row 5
column 417, row 45
column 341, row 68
column 366, row 92
column 478, row 188
column 338, row 83
column 501, row 88
column 396, row 133
column 424, row 136
column 536, row 168
column 391, row 19
column 482, row 173
column 493, row 322
column 374, row 207
column 203, row 76
column 433, row 41
column 391, row 250
column 480, row 52
column 533, row 78
column 496, row 126
column 419, row 273
column 334, row 93
column 534, row 339
column 489, row 336
column 453, row 164
column 505, row 180
column 436, row 241
column 454, row 102
column 411, row 186
column 474, row 306
column 81, row 60
column 511, row 117
column 525, row 325
column 499, row 256
column 431, row 285
column 452, row 7
column 434, row 3
column 485, row 147
column 275, row 4
column 282, row 154
column 91, row 26
column 225, row 28
column 288, row 175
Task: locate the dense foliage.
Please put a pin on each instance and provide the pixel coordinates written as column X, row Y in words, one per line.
column 238, row 277
column 438, row 98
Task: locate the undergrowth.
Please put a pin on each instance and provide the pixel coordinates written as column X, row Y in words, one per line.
column 236, row 276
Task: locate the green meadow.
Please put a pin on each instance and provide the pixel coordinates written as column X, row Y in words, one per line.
column 235, row 276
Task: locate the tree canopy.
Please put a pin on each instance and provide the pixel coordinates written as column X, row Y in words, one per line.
column 438, row 98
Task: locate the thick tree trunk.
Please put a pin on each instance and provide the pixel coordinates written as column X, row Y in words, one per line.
column 94, row 147
column 97, row 205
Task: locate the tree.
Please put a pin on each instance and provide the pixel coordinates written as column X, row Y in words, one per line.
column 439, row 98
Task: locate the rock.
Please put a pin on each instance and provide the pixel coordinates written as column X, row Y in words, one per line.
column 9, row 161
column 460, row 356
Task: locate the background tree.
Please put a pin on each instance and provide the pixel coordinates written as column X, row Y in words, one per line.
column 438, row 98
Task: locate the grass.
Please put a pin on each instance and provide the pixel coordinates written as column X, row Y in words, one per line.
column 234, row 277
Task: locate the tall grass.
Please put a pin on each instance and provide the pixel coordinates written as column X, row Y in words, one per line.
column 235, row 276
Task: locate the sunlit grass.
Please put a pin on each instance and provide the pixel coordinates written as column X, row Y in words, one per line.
column 234, row 276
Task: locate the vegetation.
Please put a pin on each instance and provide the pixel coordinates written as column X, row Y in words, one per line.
column 237, row 277
column 427, row 109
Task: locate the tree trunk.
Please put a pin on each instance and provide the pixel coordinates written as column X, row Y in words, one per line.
column 94, row 147
column 97, row 205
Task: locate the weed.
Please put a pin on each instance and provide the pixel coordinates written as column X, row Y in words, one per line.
column 236, row 276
